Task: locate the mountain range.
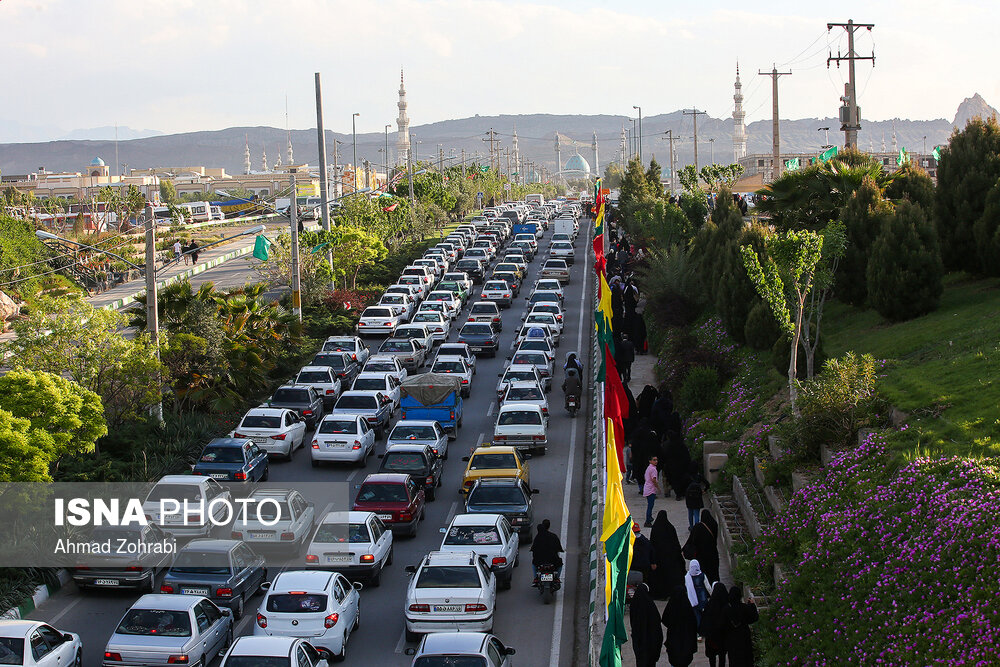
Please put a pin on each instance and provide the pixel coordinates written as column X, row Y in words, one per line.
column 536, row 140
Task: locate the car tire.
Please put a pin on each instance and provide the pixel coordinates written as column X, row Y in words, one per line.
column 150, row 586
column 388, row 560
column 430, row 496
column 315, row 463
column 340, row 657
column 238, row 609
column 267, row 473
column 78, row 660
column 413, row 637
column 376, row 579
column 505, row 582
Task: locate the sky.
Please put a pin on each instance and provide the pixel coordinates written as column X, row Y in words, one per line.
column 187, row 65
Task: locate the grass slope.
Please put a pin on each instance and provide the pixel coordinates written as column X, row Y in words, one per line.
column 941, row 368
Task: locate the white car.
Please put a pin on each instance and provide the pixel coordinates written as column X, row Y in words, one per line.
column 352, row 345
column 435, row 266
column 385, row 363
column 486, row 535
column 420, row 432
column 321, row 606
column 378, row 320
column 499, row 292
column 537, row 344
column 529, row 239
column 420, row 330
column 536, row 317
column 455, row 365
column 460, row 277
column 416, row 281
column 341, row 437
column 482, row 254
column 435, row 307
column 383, row 382
column 453, row 302
column 274, row 651
column 194, row 489
column 562, row 250
column 436, row 321
column 556, row 268
column 402, row 304
column 515, row 374
column 28, row 643
column 521, row 425
column 277, row 431
column 552, row 308
column 460, row 349
column 285, row 520
column 539, row 360
column 486, row 311
column 549, row 285
column 560, row 236
column 450, row 591
column 413, row 291
column 356, row 544
column 550, row 331
column 324, row 380
column 526, row 391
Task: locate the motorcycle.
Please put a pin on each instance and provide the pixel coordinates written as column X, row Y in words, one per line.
column 572, row 405
column 548, row 582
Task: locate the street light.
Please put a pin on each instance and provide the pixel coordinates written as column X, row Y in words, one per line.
column 827, row 131
column 387, row 153
column 711, row 140
column 354, row 133
column 640, row 130
column 48, row 236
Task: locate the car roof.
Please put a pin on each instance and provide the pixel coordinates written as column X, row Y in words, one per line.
column 500, row 481
column 387, row 477
column 444, row 558
column 166, row 602
column 342, row 516
column 495, row 450
column 215, row 546
column 371, row 375
column 264, row 411
column 415, row 422
column 477, row 519
column 182, row 479
column 275, row 493
column 406, row 447
column 510, row 407
column 272, row 646
column 449, row 357
column 311, row 369
column 359, row 392
column 332, row 339
column 523, row 383
column 300, row 580
column 235, row 443
column 16, row 627
column 381, row 357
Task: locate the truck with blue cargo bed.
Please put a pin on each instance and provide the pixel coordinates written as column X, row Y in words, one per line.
column 433, row 397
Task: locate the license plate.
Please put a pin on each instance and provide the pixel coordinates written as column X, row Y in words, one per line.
column 262, row 536
column 546, row 577
column 447, row 607
column 335, row 445
column 219, row 475
column 259, row 439
column 338, row 559
column 106, row 582
column 384, row 517
column 475, row 349
column 194, row 591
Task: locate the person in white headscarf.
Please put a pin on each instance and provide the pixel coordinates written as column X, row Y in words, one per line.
column 699, row 590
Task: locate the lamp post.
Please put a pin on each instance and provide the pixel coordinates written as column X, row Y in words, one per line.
column 640, row 130
column 711, row 140
column 354, row 134
column 826, row 143
column 387, row 154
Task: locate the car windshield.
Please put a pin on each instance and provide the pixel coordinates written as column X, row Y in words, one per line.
column 272, row 510
column 403, row 462
column 222, row 455
column 155, row 622
column 334, row 361
column 456, row 576
column 497, row 495
column 338, row 426
column 196, row 562
column 410, row 332
column 477, row 330
column 356, row 402
column 386, row 366
column 290, row 396
column 313, row 377
column 535, row 359
column 512, row 417
column 472, row 535
column 174, row 492
column 492, row 461
column 392, row 298
column 257, row 661
column 339, row 346
column 334, row 533
column 396, row 346
column 427, row 317
column 382, row 493
column 377, row 312
column 524, row 394
column 292, row 603
column 448, row 367
column 370, row 384
column 513, row 376
column 11, row 651
column 261, row 421
column 402, row 432
column 484, row 308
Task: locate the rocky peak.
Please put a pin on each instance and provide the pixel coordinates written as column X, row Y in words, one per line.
column 972, row 107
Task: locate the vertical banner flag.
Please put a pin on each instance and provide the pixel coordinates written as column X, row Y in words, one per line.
column 828, row 154
column 618, row 538
column 260, row 246
column 936, row 153
column 599, row 235
column 615, row 405
column 602, row 317
column 792, row 165
column 903, row 157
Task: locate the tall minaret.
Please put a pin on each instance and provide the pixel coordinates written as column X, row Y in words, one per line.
column 593, row 145
column 894, row 148
column 246, row 156
column 739, row 118
column 402, row 125
column 263, row 160
column 624, row 140
column 515, row 154
column 277, row 165
column 288, row 134
column 559, row 164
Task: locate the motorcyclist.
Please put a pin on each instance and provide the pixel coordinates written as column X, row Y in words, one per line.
column 545, row 550
column 573, row 362
column 572, row 386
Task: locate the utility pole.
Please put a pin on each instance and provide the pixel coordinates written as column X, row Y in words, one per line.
column 695, row 113
column 491, row 139
column 775, row 136
column 850, row 112
column 640, row 130
column 336, row 167
column 673, row 175
column 152, row 310
column 409, row 169
column 293, row 216
column 440, row 159
column 463, row 163
column 324, row 192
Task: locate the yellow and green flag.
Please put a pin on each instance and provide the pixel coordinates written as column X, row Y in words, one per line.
column 602, row 321
column 618, row 538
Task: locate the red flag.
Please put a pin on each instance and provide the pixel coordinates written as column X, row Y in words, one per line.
column 600, row 266
column 615, row 404
column 599, row 249
column 391, row 208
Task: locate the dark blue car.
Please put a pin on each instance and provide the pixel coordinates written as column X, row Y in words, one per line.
column 481, row 337
column 232, row 460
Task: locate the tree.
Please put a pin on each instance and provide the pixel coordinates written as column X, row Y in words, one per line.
column 613, row 176
column 986, row 232
column 635, row 191
column 688, row 176
column 912, row 183
column 168, row 193
column 968, row 169
column 67, row 336
column 72, row 415
column 24, row 451
column 653, row 176
column 905, row 270
column 314, row 270
column 834, row 245
column 862, row 217
column 353, row 249
column 783, row 281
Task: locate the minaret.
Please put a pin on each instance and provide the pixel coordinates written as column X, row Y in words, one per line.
column 263, row 159
column 739, row 118
column 894, row 148
column 559, row 164
column 402, row 125
column 593, row 146
column 288, row 134
column 883, row 141
column 277, row 165
column 624, row 140
column 515, row 153
column 246, row 156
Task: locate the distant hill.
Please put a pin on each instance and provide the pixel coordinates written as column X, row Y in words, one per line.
column 536, row 140
column 973, row 107
column 107, row 133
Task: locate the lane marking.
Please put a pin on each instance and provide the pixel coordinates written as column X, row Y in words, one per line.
column 489, row 411
column 557, row 621
column 451, row 512
column 479, row 440
column 402, row 639
column 354, row 474
column 76, row 601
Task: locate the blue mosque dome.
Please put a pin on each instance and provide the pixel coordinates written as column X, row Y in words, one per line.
column 97, row 162
column 577, row 167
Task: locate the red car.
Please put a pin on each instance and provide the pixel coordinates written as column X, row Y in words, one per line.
column 395, row 498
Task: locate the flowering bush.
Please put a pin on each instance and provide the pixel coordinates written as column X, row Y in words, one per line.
column 888, row 567
column 706, row 344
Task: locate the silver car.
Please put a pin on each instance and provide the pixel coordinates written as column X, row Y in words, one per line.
column 170, row 630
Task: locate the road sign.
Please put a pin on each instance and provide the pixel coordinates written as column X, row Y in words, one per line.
column 506, row 186
column 480, row 194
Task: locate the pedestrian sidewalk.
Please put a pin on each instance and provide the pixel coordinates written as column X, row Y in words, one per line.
column 642, row 374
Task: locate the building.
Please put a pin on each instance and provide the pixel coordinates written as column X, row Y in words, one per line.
column 757, row 168
column 402, row 126
column 576, row 168
column 84, row 185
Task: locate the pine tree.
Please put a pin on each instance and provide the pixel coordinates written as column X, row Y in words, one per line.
column 986, row 232
column 912, row 183
column 863, row 217
column 653, row 175
column 905, row 270
column 634, row 192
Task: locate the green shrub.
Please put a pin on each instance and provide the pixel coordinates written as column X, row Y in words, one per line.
column 700, row 389
column 761, row 330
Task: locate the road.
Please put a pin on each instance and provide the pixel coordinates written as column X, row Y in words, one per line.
column 542, row 635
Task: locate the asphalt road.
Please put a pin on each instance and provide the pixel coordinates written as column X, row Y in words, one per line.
column 542, row 634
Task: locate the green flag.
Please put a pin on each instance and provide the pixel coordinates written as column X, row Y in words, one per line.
column 903, row 157
column 617, row 550
column 483, row 168
column 828, row 154
column 936, row 153
column 316, row 249
column 792, row 165
column 260, row 247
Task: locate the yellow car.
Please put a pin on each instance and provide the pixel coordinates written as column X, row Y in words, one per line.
column 489, row 461
column 511, row 267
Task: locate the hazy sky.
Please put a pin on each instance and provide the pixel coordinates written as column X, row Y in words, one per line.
column 186, row 65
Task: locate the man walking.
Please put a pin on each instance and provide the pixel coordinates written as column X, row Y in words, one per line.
column 650, row 488
column 624, row 356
